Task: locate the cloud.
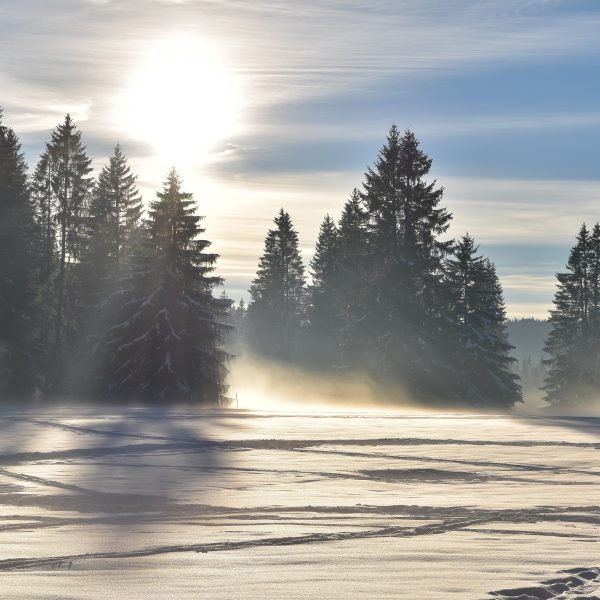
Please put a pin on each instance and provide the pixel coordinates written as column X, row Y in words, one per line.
column 77, row 56
column 283, row 50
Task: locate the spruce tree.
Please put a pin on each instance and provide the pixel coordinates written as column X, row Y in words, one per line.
column 113, row 231
column 276, row 310
column 353, row 272
column 573, row 345
column 324, row 311
column 167, row 344
column 404, row 315
column 47, row 270
column 480, row 358
column 62, row 186
column 17, row 284
column 114, row 216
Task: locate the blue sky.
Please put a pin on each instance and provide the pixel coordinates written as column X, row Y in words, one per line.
column 504, row 96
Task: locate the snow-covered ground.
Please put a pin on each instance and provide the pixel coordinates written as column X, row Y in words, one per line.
column 138, row 504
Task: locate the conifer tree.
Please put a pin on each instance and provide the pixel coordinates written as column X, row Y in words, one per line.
column 114, row 216
column 17, row 293
column 353, row 270
column 46, row 252
column 276, row 310
column 403, row 317
column 573, row 345
column 324, row 311
column 480, row 357
column 62, row 186
column 167, row 345
column 113, row 230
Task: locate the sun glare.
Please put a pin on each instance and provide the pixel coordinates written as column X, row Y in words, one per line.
column 182, row 100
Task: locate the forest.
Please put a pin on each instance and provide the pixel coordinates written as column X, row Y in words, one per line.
column 109, row 298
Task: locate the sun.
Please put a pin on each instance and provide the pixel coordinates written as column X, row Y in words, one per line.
column 181, row 99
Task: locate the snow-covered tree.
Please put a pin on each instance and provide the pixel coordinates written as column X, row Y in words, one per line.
column 166, row 345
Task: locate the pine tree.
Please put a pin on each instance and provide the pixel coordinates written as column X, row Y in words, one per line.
column 573, row 345
column 167, row 345
column 17, row 293
column 324, row 311
column 480, row 356
column 276, row 310
column 404, row 316
column 62, row 189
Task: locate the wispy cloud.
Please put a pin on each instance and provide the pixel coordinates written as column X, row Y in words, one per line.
column 78, row 55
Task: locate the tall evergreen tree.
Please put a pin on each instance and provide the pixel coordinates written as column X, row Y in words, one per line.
column 353, row 271
column 46, row 252
column 573, row 345
column 324, row 312
column 113, row 231
column 276, row 310
column 167, row 344
column 17, row 294
column 403, row 317
column 480, row 357
column 114, row 216
column 62, row 186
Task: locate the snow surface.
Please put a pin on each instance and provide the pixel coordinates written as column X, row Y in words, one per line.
column 102, row 503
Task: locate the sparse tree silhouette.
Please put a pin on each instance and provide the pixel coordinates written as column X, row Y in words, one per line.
column 62, row 185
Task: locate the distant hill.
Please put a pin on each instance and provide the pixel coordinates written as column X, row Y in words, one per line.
column 528, row 336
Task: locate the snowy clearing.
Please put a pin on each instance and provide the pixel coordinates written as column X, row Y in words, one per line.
column 138, row 504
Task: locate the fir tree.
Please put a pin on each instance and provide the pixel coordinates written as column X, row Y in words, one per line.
column 404, row 317
column 324, row 312
column 276, row 310
column 573, row 345
column 113, row 230
column 353, row 272
column 167, row 345
column 46, row 252
column 114, row 215
column 480, row 355
column 62, row 188
column 17, row 295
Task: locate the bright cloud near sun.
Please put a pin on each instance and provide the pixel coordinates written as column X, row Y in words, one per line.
column 182, row 99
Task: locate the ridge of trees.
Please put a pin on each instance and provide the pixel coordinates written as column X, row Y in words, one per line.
column 100, row 299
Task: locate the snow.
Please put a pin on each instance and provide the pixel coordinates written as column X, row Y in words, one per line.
column 100, row 503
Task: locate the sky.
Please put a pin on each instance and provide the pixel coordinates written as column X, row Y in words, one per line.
column 285, row 103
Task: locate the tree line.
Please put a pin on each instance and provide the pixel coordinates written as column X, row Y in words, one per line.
column 391, row 295
column 98, row 299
